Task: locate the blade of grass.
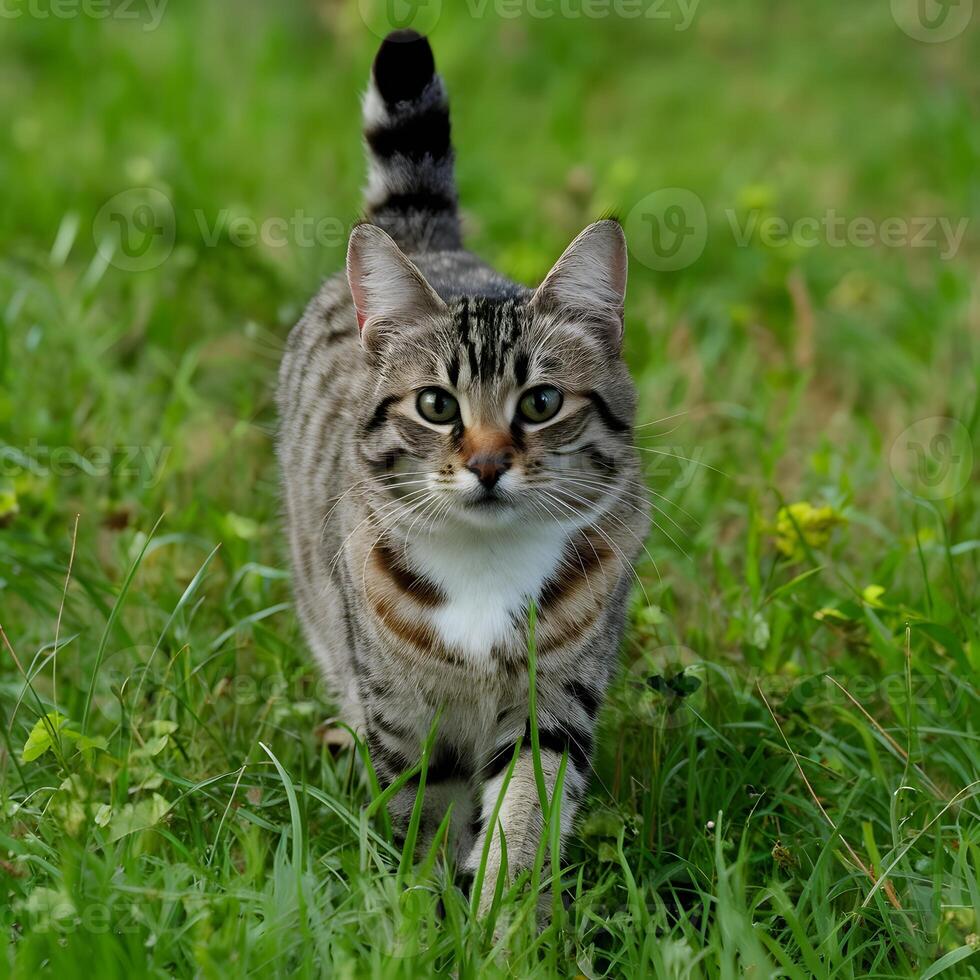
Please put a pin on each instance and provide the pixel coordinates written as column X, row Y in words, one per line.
column 49, row 725
column 889, row 890
column 113, row 616
column 532, row 706
column 883, row 881
column 491, row 828
column 61, row 612
column 897, row 749
column 415, row 820
column 296, row 820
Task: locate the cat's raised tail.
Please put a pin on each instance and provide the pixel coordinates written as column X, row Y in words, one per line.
column 411, row 188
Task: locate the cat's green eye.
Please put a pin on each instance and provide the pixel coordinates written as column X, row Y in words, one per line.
column 437, row 406
column 540, row 404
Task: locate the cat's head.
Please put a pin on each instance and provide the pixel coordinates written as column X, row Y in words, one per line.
column 494, row 411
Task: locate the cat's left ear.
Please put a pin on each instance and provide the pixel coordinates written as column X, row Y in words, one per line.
column 588, row 283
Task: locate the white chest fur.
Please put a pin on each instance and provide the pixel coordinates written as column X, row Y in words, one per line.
column 488, row 577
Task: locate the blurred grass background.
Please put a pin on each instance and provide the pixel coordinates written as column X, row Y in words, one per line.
column 136, row 397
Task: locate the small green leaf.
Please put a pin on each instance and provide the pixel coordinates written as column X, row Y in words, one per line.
column 651, row 616
column 39, row 740
column 872, row 595
column 84, row 743
column 602, row 823
column 160, row 726
column 245, row 528
column 135, row 817
column 159, row 736
column 828, row 612
column 758, row 632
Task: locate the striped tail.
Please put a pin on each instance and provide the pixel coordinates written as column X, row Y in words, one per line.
column 411, row 190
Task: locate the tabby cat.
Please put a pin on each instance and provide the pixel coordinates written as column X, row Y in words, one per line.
column 455, row 447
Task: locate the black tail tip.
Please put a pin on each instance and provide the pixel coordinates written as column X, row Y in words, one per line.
column 403, row 66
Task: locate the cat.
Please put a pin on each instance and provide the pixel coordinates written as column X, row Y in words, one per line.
column 455, row 447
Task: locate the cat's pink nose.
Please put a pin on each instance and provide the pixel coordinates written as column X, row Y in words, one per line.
column 489, row 467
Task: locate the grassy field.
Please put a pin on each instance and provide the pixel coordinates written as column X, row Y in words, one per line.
column 787, row 782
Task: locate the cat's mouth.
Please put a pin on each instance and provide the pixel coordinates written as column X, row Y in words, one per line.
column 487, row 500
column 488, row 508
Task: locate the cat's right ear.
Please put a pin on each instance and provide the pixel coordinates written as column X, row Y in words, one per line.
column 588, row 283
column 390, row 294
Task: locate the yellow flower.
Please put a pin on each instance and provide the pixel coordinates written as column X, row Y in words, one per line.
column 802, row 522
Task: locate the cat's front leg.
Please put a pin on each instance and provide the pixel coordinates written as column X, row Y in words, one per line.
column 520, row 818
column 395, row 749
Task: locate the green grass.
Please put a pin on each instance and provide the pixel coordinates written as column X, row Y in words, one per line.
column 205, row 827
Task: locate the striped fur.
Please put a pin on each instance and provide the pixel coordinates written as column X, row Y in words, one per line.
column 411, row 189
column 417, row 547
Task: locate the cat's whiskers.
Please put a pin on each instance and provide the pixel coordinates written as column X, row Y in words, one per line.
column 440, row 513
column 612, row 544
column 686, row 459
column 666, row 418
column 367, row 493
column 422, row 505
column 563, row 561
column 371, row 515
column 364, row 487
column 658, row 435
column 598, row 487
column 623, row 524
column 434, row 502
